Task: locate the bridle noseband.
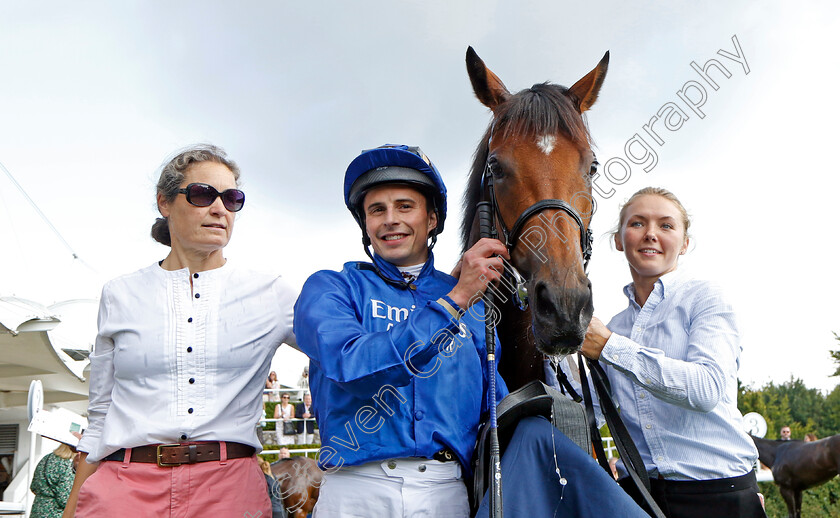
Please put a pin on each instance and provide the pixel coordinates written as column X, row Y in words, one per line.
column 511, row 237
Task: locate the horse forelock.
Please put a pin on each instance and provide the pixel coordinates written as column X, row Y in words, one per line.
column 544, row 109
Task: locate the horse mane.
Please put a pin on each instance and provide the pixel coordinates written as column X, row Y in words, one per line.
column 544, row 108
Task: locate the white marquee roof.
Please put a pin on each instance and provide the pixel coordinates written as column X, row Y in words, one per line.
column 33, row 340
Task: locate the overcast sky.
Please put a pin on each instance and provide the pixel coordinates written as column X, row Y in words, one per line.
column 95, row 95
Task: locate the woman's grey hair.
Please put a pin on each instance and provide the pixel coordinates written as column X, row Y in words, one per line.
column 172, row 176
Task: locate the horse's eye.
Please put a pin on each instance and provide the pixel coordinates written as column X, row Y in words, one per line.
column 593, row 168
column 495, row 168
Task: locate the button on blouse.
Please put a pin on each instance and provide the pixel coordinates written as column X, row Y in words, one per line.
column 169, row 364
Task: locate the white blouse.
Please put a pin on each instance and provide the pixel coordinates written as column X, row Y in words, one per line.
column 173, row 363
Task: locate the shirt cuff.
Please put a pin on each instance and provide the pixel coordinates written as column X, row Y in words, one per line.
column 616, row 349
column 450, row 306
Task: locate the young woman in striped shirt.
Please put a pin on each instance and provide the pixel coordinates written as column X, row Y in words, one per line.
column 672, row 359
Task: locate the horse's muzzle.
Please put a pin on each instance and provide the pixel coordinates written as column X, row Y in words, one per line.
column 560, row 318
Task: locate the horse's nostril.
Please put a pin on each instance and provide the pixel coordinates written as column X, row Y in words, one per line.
column 563, row 311
column 544, row 303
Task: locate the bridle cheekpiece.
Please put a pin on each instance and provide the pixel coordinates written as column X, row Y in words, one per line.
column 511, row 237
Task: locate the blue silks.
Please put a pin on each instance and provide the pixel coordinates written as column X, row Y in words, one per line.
column 531, row 487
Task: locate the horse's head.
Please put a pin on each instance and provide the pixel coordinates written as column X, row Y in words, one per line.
column 536, row 153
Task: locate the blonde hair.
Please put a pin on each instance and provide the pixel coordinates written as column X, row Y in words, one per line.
column 265, row 466
column 652, row 191
column 64, row 451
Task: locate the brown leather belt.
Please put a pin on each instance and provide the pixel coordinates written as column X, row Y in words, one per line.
column 165, row 455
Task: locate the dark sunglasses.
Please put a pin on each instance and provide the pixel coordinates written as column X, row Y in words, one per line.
column 203, row 195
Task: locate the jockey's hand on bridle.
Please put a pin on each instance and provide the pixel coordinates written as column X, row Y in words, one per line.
column 479, row 266
column 596, row 338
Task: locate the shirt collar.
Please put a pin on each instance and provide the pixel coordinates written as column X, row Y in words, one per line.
column 672, row 280
column 668, row 284
column 177, row 273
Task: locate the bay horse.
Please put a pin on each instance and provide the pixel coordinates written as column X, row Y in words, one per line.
column 538, row 149
column 799, row 465
column 298, row 484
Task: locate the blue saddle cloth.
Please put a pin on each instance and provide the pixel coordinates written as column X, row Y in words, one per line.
column 531, row 487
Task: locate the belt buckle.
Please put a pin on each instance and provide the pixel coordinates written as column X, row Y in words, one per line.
column 166, row 464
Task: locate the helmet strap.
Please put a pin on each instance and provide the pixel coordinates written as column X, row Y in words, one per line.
column 394, row 282
column 434, row 240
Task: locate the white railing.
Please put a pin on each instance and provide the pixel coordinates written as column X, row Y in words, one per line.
column 609, row 447
column 292, row 451
column 761, row 474
column 299, row 391
column 292, row 419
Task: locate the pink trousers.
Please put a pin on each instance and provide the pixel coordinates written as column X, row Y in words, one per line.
column 233, row 488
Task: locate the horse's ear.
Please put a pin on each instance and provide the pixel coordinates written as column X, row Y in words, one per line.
column 489, row 89
column 585, row 91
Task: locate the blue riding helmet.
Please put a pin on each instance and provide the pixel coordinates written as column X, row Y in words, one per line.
column 393, row 164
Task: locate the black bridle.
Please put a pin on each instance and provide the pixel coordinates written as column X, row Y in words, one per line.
column 511, row 237
column 488, row 215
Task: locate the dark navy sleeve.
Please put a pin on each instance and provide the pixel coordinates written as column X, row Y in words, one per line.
column 329, row 331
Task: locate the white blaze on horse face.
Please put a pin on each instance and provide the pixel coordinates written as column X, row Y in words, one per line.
column 546, row 143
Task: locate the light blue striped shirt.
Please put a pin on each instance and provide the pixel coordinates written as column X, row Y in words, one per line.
column 673, row 366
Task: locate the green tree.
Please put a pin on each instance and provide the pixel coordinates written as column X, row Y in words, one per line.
column 830, row 422
column 806, row 406
column 835, row 355
column 771, row 404
column 804, row 410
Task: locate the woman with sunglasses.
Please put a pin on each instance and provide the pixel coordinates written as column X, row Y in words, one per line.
column 286, row 429
column 180, row 361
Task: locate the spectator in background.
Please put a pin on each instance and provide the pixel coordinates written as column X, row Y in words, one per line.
column 303, row 382
column 784, row 433
column 810, row 437
column 5, row 477
column 286, row 429
column 284, row 453
column 305, row 428
column 272, row 384
column 52, row 482
column 278, row 510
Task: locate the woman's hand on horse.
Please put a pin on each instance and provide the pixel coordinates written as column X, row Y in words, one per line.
column 596, row 338
column 479, row 266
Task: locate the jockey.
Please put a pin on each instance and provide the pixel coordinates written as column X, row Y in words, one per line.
column 398, row 368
